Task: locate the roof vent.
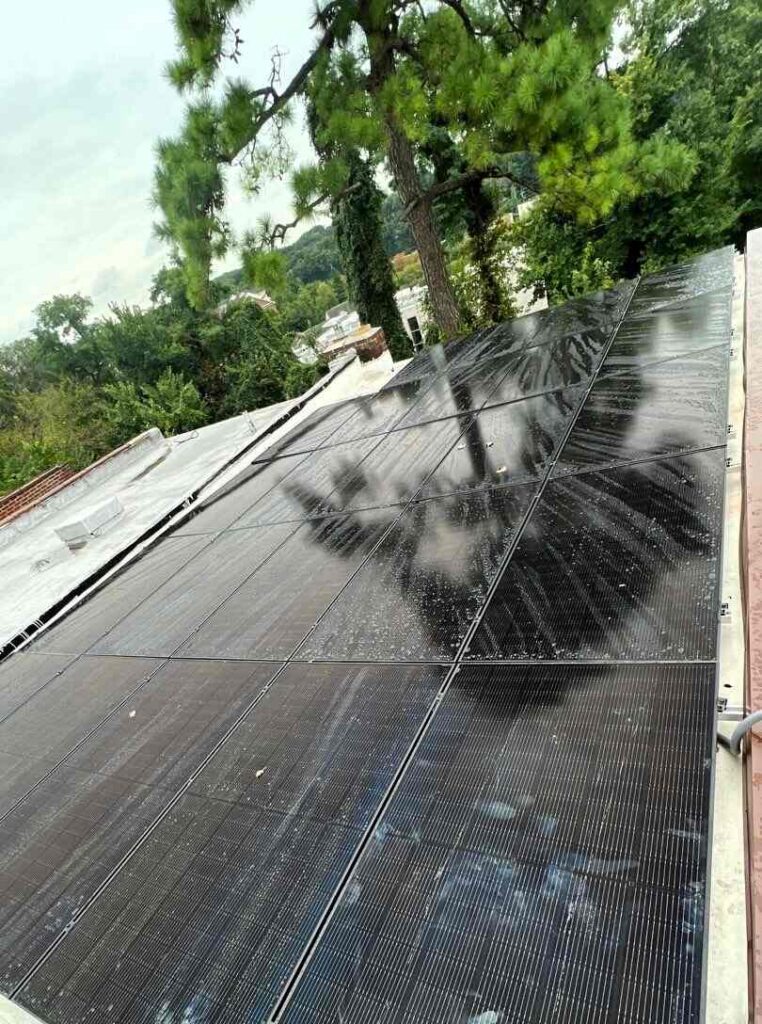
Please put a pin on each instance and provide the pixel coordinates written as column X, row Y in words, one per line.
column 79, row 531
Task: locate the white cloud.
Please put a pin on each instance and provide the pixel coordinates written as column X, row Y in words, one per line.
column 83, row 105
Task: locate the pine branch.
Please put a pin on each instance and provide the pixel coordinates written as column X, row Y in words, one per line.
column 457, row 6
column 279, row 100
column 278, row 232
column 443, row 188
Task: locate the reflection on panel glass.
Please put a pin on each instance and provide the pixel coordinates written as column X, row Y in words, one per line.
column 618, row 564
column 415, row 597
column 656, row 410
column 274, row 610
column 544, row 858
column 507, row 444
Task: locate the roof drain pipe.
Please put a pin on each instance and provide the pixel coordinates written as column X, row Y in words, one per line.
column 733, row 742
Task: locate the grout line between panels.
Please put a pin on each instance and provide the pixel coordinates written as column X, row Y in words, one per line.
column 292, row 982
column 609, row 466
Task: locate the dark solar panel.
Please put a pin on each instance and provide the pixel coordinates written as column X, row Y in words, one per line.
column 325, row 476
column 657, row 410
column 622, row 563
column 59, row 716
column 543, row 859
column 712, row 272
column 314, row 430
column 415, row 597
column 399, row 465
column 213, row 841
column 368, row 415
column 213, row 910
column 507, row 443
column 597, row 312
column 88, row 623
column 275, row 609
column 60, row 843
column 172, row 613
column 250, row 486
column 23, row 677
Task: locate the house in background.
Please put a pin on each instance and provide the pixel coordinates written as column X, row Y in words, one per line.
column 261, row 298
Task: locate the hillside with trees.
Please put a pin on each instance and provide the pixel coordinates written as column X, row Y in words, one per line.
column 636, row 128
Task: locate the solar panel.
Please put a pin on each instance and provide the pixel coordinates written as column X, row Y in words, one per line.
column 180, row 606
column 658, row 410
column 250, row 486
column 542, row 860
column 431, row 733
column 619, row 564
column 213, row 909
column 60, row 715
column 507, row 443
column 270, row 614
column 369, row 415
column 88, row 623
column 417, row 593
column 59, row 843
column 24, row 677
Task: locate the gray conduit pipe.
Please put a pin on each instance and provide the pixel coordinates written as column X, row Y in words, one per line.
column 733, row 742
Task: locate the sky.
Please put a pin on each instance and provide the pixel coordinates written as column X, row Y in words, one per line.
column 84, row 99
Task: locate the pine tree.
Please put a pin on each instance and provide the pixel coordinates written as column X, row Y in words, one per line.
column 505, row 80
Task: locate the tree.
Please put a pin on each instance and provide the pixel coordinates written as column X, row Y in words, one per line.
column 357, row 219
column 382, row 71
column 173, row 404
column 692, row 76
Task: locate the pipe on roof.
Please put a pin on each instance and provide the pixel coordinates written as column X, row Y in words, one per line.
column 733, row 742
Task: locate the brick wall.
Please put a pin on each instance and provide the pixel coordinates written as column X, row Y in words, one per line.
column 33, row 491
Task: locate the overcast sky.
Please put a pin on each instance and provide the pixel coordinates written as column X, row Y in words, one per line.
column 83, row 100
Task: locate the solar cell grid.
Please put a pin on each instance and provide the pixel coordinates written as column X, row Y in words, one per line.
column 420, row 589
column 226, row 890
column 163, row 621
column 224, row 509
column 76, row 632
column 43, row 730
column 497, row 896
column 543, row 856
column 60, row 843
column 25, row 676
column 270, row 614
column 619, row 564
column 507, row 444
column 657, row 410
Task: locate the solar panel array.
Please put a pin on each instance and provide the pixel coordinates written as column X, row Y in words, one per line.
column 414, row 723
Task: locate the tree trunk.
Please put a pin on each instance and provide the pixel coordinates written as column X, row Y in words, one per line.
column 441, row 295
column 480, row 212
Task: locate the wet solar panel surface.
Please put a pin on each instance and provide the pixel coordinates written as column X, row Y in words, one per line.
column 413, row 722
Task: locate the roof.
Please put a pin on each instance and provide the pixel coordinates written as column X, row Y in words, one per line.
column 412, row 716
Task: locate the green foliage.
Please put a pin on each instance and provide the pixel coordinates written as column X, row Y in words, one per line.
column 189, row 189
column 167, row 366
column 263, row 370
column 173, row 404
column 692, row 81
column 559, row 258
column 370, row 282
column 480, row 272
column 61, row 422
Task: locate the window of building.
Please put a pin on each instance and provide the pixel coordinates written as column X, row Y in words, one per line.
column 415, row 332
